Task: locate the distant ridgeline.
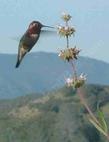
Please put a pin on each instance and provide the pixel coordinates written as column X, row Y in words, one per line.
column 40, row 72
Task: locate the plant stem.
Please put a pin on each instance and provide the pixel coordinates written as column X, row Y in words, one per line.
column 66, row 23
column 81, row 96
column 107, row 136
column 74, row 69
column 67, row 39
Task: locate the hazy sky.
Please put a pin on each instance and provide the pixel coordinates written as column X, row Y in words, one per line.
column 90, row 18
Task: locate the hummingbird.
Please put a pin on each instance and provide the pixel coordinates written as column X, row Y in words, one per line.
column 29, row 39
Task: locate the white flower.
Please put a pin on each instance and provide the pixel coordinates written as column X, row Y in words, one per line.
column 60, row 53
column 66, row 28
column 64, row 13
column 82, row 76
column 69, row 81
column 59, row 27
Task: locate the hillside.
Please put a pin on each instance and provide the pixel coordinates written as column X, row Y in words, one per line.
column 43, row 72
column 56, row 117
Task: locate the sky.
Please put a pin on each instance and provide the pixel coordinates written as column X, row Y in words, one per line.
column 90, row 19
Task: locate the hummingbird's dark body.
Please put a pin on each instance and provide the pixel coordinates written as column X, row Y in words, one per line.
column 28, row 40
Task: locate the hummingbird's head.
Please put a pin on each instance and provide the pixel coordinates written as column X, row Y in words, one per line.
column 35, row 27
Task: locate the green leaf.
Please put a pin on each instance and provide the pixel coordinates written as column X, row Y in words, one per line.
column 102, row 120
column 97, row 127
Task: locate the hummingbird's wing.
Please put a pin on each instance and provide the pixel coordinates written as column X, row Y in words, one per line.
column 48, row 32
column 43, row 32
column 15, row 38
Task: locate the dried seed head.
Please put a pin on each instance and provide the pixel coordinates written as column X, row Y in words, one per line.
column 66, row 17
column 69, row 54
column 76, row 82
column 65, row 30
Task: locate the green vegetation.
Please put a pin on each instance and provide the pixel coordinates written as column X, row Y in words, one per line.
column 56, row 117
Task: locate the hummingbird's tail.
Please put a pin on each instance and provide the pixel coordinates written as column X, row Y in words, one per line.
column 18, row 63
column 21, row 55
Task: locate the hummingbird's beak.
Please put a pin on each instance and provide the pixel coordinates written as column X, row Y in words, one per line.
column 47, row 26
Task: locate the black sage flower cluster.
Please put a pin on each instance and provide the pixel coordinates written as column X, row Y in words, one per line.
column 70, row 54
